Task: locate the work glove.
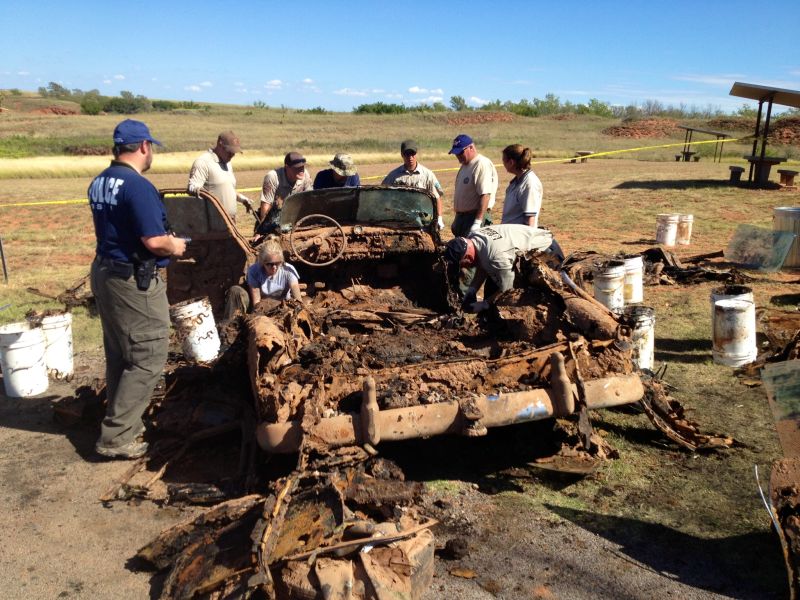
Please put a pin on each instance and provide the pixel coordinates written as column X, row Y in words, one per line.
column 476, row 224
column 440, row 222
column 469, row 299
column 246, row 201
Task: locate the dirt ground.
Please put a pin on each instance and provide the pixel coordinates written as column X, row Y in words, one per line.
column 658, row 521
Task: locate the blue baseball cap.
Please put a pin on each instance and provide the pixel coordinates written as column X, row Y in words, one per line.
column 462, row 141
column 455, row 249
column 132, row 132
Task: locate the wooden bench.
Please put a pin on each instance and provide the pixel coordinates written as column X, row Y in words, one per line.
column 736, row 174
column 787, row 177
column 582, row 154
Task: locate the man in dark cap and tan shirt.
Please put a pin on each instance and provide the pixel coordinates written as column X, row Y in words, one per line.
column 213, row 173
column 278, row 185
column 413, row 174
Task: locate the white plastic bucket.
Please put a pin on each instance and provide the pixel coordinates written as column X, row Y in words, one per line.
column 730, row 292
column 22, row 350
column 666, row 229
column 609, row 284
column 633, row 292
column 787, row 218
column 195, row 324
column 684, row 232
column 58, row 344
column 734, row 336
column 643, row 335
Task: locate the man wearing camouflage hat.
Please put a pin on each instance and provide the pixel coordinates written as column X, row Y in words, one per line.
column 413, row 174
column 213, row 173
column 343, row 173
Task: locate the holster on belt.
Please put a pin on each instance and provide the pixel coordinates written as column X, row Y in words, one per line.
column 145, row 271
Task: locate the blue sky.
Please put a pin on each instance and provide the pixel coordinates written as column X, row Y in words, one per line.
column 341, row 54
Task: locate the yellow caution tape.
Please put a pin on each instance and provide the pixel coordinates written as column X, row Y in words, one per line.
column 538, row 162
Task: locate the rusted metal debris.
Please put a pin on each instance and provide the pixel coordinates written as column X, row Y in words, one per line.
column 784, row 505
column 339, row 528
column 662, row 267
column 77, row 294
column 669, row 417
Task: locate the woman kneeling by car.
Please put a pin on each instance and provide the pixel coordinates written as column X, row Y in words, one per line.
column 269, row 277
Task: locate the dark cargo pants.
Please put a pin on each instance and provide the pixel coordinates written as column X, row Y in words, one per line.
column 460, row 228
column 135, row 339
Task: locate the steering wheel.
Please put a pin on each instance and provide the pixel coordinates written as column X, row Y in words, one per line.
column 315, row 251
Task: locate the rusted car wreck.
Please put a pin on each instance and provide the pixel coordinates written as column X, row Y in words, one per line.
column 378, row 330
column 379, row 351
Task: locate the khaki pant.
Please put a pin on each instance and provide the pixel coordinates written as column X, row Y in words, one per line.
column 237, row 302
column 135, row 339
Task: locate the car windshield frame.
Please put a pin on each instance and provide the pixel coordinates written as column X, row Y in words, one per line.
column 401, row 207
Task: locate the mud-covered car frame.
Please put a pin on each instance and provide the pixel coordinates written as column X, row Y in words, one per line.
column 377, row 352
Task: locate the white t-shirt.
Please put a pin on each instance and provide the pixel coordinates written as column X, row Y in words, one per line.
column 217, row 178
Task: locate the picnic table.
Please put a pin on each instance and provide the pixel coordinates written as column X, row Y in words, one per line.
column 760, row 163
column 687, row 152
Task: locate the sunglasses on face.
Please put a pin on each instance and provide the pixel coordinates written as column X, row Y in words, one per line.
column 272, row 264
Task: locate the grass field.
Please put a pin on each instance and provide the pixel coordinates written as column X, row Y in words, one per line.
column 609, row 205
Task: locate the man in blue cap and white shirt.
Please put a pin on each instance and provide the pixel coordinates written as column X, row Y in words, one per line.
column 476, row 186
column 133, row 245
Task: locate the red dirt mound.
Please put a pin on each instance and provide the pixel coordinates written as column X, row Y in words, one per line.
column 479, row 117
column 732, row 123
column 643, row 128
column 785, row 131
column 87, row 150
column 55, row 110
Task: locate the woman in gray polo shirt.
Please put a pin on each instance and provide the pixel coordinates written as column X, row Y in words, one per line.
column 524, row 194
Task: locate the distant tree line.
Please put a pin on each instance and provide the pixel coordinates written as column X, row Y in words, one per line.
column 552, row 105
column 93, row 102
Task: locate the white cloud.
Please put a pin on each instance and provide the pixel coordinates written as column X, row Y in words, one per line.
column 192, row 88
column 238, row 83
column 119, row 77
column 377, row 91
column 349, row 92
column 23, row 73
column 308, row 81
column 430, row 99
column 107, row 81
column 421, row 90
column 723, row 80
column 395, row 96
column 477, row 101
column 274, row 84
column 207, row 84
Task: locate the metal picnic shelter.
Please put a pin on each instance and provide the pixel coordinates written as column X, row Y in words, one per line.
column 760, row 163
